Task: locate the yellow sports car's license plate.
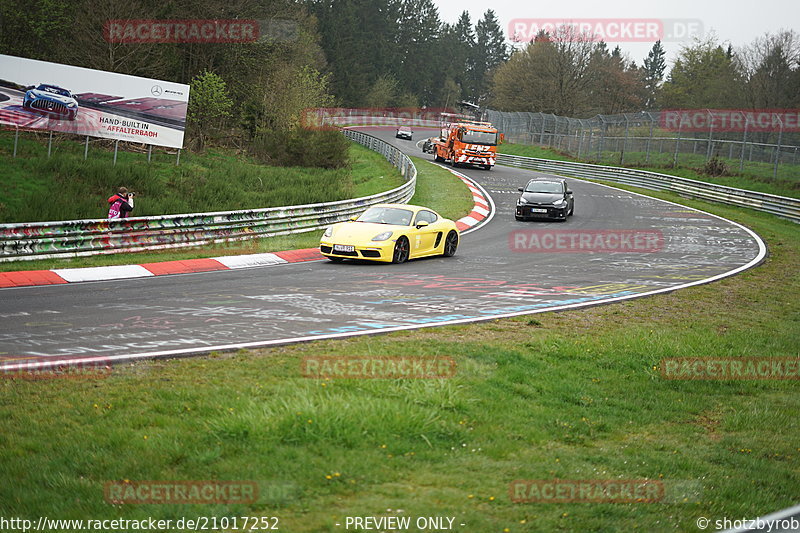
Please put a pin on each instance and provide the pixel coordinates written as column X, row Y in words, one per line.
column 343, row 248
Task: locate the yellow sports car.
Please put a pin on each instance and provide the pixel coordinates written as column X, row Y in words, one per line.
column 391, row 233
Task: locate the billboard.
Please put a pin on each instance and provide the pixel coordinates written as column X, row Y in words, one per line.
column 50, row 96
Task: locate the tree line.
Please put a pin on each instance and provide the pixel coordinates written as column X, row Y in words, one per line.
column 395, row 53
column 572, row 74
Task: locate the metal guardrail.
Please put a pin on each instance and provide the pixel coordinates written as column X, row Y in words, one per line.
column 42, row 240
column 781, row 206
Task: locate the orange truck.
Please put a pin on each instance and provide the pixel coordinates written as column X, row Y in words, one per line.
column 466, row 142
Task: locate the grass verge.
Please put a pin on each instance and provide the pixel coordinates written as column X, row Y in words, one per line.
column 573, row 396
column 440, row 190
column 755, row 177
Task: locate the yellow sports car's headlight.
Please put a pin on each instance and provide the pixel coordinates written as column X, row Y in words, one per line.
column 382, row 236
column 328, row 232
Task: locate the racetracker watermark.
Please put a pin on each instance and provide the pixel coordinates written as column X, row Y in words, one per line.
column 547, row 240
column 375, row 367
column 181, row 31
column 181, row 492
column 33, row 371
column 377, row 116
column 722, row 120
column 731, row 368
column 141, row 31
column 586, row 491
column 609, row 30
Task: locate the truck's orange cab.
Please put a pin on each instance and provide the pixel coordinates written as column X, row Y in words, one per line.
column 467, row 142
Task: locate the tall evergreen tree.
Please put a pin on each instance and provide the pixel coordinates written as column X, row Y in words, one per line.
column 359, row 38
column 653, row 74
column 490, row 50
column 463, row 58
column 416, row 39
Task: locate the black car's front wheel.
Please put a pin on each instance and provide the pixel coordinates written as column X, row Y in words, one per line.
column 401, row 250
column 451, row 244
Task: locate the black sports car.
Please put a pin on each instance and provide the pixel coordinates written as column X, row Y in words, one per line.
column 545, row 198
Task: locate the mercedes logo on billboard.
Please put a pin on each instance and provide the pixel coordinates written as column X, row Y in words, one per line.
column 156, row 90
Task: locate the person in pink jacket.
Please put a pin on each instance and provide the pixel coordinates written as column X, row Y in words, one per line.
column 120, row 204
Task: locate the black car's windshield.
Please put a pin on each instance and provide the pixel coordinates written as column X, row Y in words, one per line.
column 387, row 215
column 53, row 90
column 479, row 137
column 545, row 187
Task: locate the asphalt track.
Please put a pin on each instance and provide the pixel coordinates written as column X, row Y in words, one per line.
column 495, row 274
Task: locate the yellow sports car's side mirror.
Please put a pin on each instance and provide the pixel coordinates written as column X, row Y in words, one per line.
column 422, row 224
column 354, row 218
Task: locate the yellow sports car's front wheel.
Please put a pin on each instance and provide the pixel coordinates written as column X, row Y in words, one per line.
column 401, row 250
column 451, row 244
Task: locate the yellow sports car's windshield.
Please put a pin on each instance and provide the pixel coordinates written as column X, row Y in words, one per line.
column 387, row 215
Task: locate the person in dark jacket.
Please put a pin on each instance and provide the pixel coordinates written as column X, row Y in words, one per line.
column 120, row 204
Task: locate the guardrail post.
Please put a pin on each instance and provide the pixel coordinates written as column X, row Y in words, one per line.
column 178, row 158
column 116, row 147
column 50, row 144
column 149, row 152
column 16, row 139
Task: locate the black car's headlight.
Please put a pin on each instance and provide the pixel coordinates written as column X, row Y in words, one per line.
column 560, row 203
column 382, row 236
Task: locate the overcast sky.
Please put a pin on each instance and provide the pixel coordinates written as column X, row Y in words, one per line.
column 736, row 21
